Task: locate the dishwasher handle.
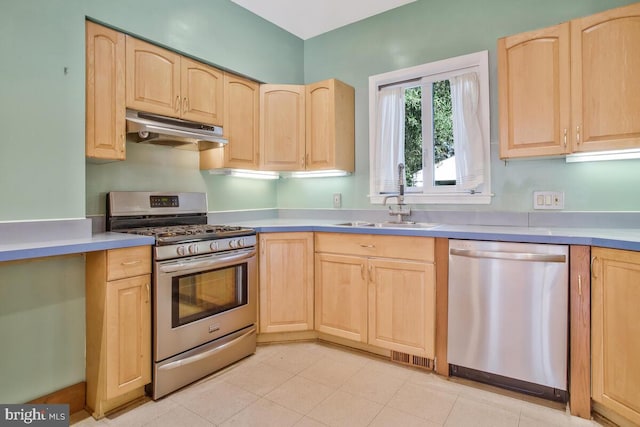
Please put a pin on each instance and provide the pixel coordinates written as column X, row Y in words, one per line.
column 515, row 256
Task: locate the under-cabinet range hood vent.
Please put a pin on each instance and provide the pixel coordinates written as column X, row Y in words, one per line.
column 154, row 129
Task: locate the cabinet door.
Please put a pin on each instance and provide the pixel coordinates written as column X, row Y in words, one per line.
column 605, row 89
column 534, row 93
column 128, row 335
column 105, row 93
column 402, row 306
column 153, row 78
column 341, row 296
column 202, row 91
column 282, row 127
column 329, row 126
column 242, row 122
column 615, row 331
column 286, row 282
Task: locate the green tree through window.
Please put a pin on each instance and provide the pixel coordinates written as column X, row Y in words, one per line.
column 442, row 128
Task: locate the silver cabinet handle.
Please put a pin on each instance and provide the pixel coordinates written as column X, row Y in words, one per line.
column 129, row 263
column 518, row 256
column 565, row 137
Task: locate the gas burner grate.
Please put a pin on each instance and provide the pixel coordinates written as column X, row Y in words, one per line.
column 177, row 233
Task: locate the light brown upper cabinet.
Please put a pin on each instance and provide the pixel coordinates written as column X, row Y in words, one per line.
column 163, row 82
column 241, row 127
column 282, row 127
column 605, row 59
column 330, row 122
column 307, row 127
column 571, row 87
column 105, row 93
column 533, row 93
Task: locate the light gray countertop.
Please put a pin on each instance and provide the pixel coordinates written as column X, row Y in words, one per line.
column 617, row 238
column 95, row 242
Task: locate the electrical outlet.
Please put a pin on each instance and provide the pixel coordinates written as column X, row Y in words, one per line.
column 548, row 200
column 337, row 200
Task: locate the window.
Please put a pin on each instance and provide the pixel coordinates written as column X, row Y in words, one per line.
column 429, row 130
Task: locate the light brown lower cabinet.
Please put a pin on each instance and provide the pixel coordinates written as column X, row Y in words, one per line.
column 377, row 289
column 286, row 282
column 402, row 306
column 615, row 332
column 118, row 322
column 341, row 296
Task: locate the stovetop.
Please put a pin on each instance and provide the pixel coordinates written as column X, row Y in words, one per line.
column 173, row 234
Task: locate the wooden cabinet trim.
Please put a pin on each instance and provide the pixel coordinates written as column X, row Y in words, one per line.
column 580, row 331
column 442, row 304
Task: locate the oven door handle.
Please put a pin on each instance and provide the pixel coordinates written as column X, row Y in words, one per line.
column 212, row 260
column 206, row 354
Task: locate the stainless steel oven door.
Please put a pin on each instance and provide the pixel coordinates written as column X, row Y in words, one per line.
column 202, row 298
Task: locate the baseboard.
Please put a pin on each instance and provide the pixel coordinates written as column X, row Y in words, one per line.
column 74, row 396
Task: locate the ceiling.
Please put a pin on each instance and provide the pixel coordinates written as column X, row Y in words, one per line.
column 309, row 18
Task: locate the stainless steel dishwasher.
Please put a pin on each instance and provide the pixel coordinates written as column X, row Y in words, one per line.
column 508, row 315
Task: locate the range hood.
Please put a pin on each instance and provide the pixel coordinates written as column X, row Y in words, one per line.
column 161, row 130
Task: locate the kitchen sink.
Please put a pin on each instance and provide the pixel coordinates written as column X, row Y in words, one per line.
column 388, row 224
column 405, row 224
column 356, row 224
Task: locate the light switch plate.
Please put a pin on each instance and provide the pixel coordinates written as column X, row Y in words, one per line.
column 548, row 200
column 337, row 200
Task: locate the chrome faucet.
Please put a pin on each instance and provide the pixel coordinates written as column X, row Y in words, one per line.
column 401, row 209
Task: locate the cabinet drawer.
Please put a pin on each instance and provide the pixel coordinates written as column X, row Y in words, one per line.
column 375, row 245
column 128, row 262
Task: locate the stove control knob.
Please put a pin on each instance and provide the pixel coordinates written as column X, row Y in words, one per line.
column 240, row 243
column 233, row 244
column 181, row 250
column 193, row 249
column 213, row 246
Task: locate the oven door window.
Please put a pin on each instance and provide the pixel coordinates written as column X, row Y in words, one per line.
column 203, row 294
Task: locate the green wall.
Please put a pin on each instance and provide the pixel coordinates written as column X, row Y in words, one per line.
column 42, row 327
column 430, row 30
column 43, row 173
column 42, row 165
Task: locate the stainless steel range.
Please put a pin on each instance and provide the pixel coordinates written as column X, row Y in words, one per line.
column 204, row 284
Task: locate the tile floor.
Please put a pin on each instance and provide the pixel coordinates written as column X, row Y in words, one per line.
column 316, row 384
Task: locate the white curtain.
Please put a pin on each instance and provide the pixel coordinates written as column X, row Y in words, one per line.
column 389, row 139
column 467, row 134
